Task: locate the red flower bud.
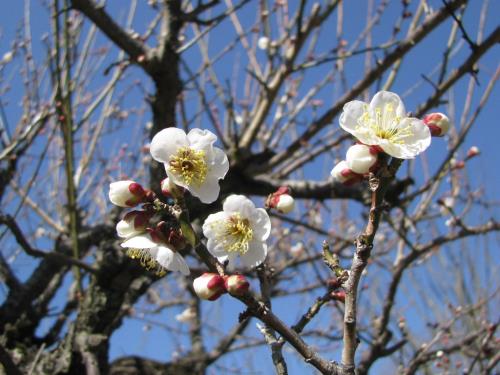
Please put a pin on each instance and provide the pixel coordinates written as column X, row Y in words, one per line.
column 236, row 284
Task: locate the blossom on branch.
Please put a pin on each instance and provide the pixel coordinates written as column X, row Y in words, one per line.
column 155, row 254
column 191, row 161
column 384, row 123
column 240, row 230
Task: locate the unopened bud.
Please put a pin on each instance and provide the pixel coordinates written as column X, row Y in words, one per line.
column 209, row 286
column 343, row 174
column 281, row 200
column 263, row 43
column 285, row 204
column 360, row 158
column 186, row 316
column 133, row 223
column 7, row 57
column 338, row 296
column 458, row 164
column 126, row 193
column 473, row 151
column 236, row 284
column 438, row 124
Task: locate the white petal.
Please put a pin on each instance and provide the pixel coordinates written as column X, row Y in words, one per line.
column 261, row 224
column 207, row 192
column 255, row 255
column 142, row 241
column 210, row 221
column 166, row 143
column 216, row 248
column 165, row 257
column 238, row 203
column 351, row 113
column 181, row 264
column 219, row 164
column 201, row 139
column 126, row 229
column 174, row 178
column 383, row 98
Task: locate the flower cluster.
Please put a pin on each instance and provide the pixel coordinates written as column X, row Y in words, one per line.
column 155, row 246
column 383, row 126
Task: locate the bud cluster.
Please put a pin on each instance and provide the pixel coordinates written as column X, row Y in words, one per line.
column 211, row 286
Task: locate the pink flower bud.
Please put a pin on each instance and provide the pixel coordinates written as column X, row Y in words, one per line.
column 438, row 124
column 285, row 204
column 236, row 284
column 126, row 193
column 338, row 296
column 360, row 158
column 343, row 174
column 133, row 223
column 281, row 200
column 473, row 151
column 209, row 286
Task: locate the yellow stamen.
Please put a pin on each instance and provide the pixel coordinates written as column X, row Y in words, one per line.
column 385, row 124
column 147, row 261
column 189, row 165
column 234, row 233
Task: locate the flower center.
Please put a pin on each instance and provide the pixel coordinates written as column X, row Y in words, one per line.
column 234, row 233
column 385, row 124
column 147, row 261
column 189, row 165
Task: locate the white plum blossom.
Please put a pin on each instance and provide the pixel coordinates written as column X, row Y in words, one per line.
column 191, row 160
column 240, row 230
column 384, row 123
column 360, row 158
column 155, row 255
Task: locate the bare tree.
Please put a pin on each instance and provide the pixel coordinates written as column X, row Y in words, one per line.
column 399, row 266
